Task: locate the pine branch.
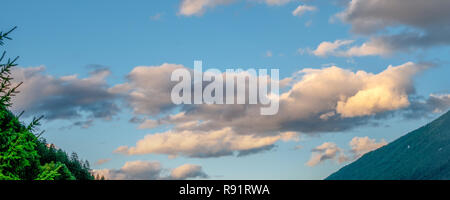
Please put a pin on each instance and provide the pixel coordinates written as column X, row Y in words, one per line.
column 6, row 89
column 34, row 123
column 5, row 35
column 20, row 114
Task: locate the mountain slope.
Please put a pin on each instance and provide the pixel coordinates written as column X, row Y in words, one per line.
column 420, row 154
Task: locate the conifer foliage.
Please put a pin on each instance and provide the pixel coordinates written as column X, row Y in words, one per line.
column 23, row 154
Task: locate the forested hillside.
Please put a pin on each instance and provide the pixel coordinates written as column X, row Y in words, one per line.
column 423, row 154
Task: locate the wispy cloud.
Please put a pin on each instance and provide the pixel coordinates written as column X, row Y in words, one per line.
column 302, row 9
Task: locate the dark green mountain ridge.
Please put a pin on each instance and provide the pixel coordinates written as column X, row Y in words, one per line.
column 423, row 154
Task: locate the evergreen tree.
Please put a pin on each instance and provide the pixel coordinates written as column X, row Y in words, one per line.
column 23, row 156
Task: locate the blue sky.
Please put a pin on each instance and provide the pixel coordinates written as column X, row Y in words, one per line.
column 77, row 37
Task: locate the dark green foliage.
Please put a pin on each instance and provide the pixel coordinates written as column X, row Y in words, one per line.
column 49, row 153
column 423, row 154
column 18, row 156
column 22, row 155
column 55, row 171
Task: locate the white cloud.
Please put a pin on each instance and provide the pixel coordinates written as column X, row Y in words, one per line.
column 326, row 151
column 145, row 170
column 329, row 48
column 369, row 16
column 135, row 170
column 362, row 145
column 188, row 171
column 198, row 7
column 203, row 144
column 371, row 48
column 308, row 106
column 385, row 91
column 302, row 9
column 329, row 99
column 435, row 103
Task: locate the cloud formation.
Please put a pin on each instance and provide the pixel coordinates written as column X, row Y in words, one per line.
column 418, row 24
column 218, row 143
column 362, row 145
column 67, row 97
column 188, row 171
column 385, row 91
column 329, row 99
column 329, row 48
column 148, row 89
column 371, row 16
column 341, row 48
column 326, row 151
column 330, row 151
column 420, row 107
column 135, row 170
column 145, row 170
column 302, row 9
column 317, row 100
column 198, row 7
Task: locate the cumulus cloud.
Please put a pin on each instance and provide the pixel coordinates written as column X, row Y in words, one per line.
column 362, row 145
column 67, row 97
column 203, row 144
column 148, row 88
column 330, row 151
column 326, row 151
column 188, row 171
column 421, row 24
column 135, row 170
column 302, row 9
column 145, row 170
column 385, row 91
column 323, row 100
column 329, row 99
